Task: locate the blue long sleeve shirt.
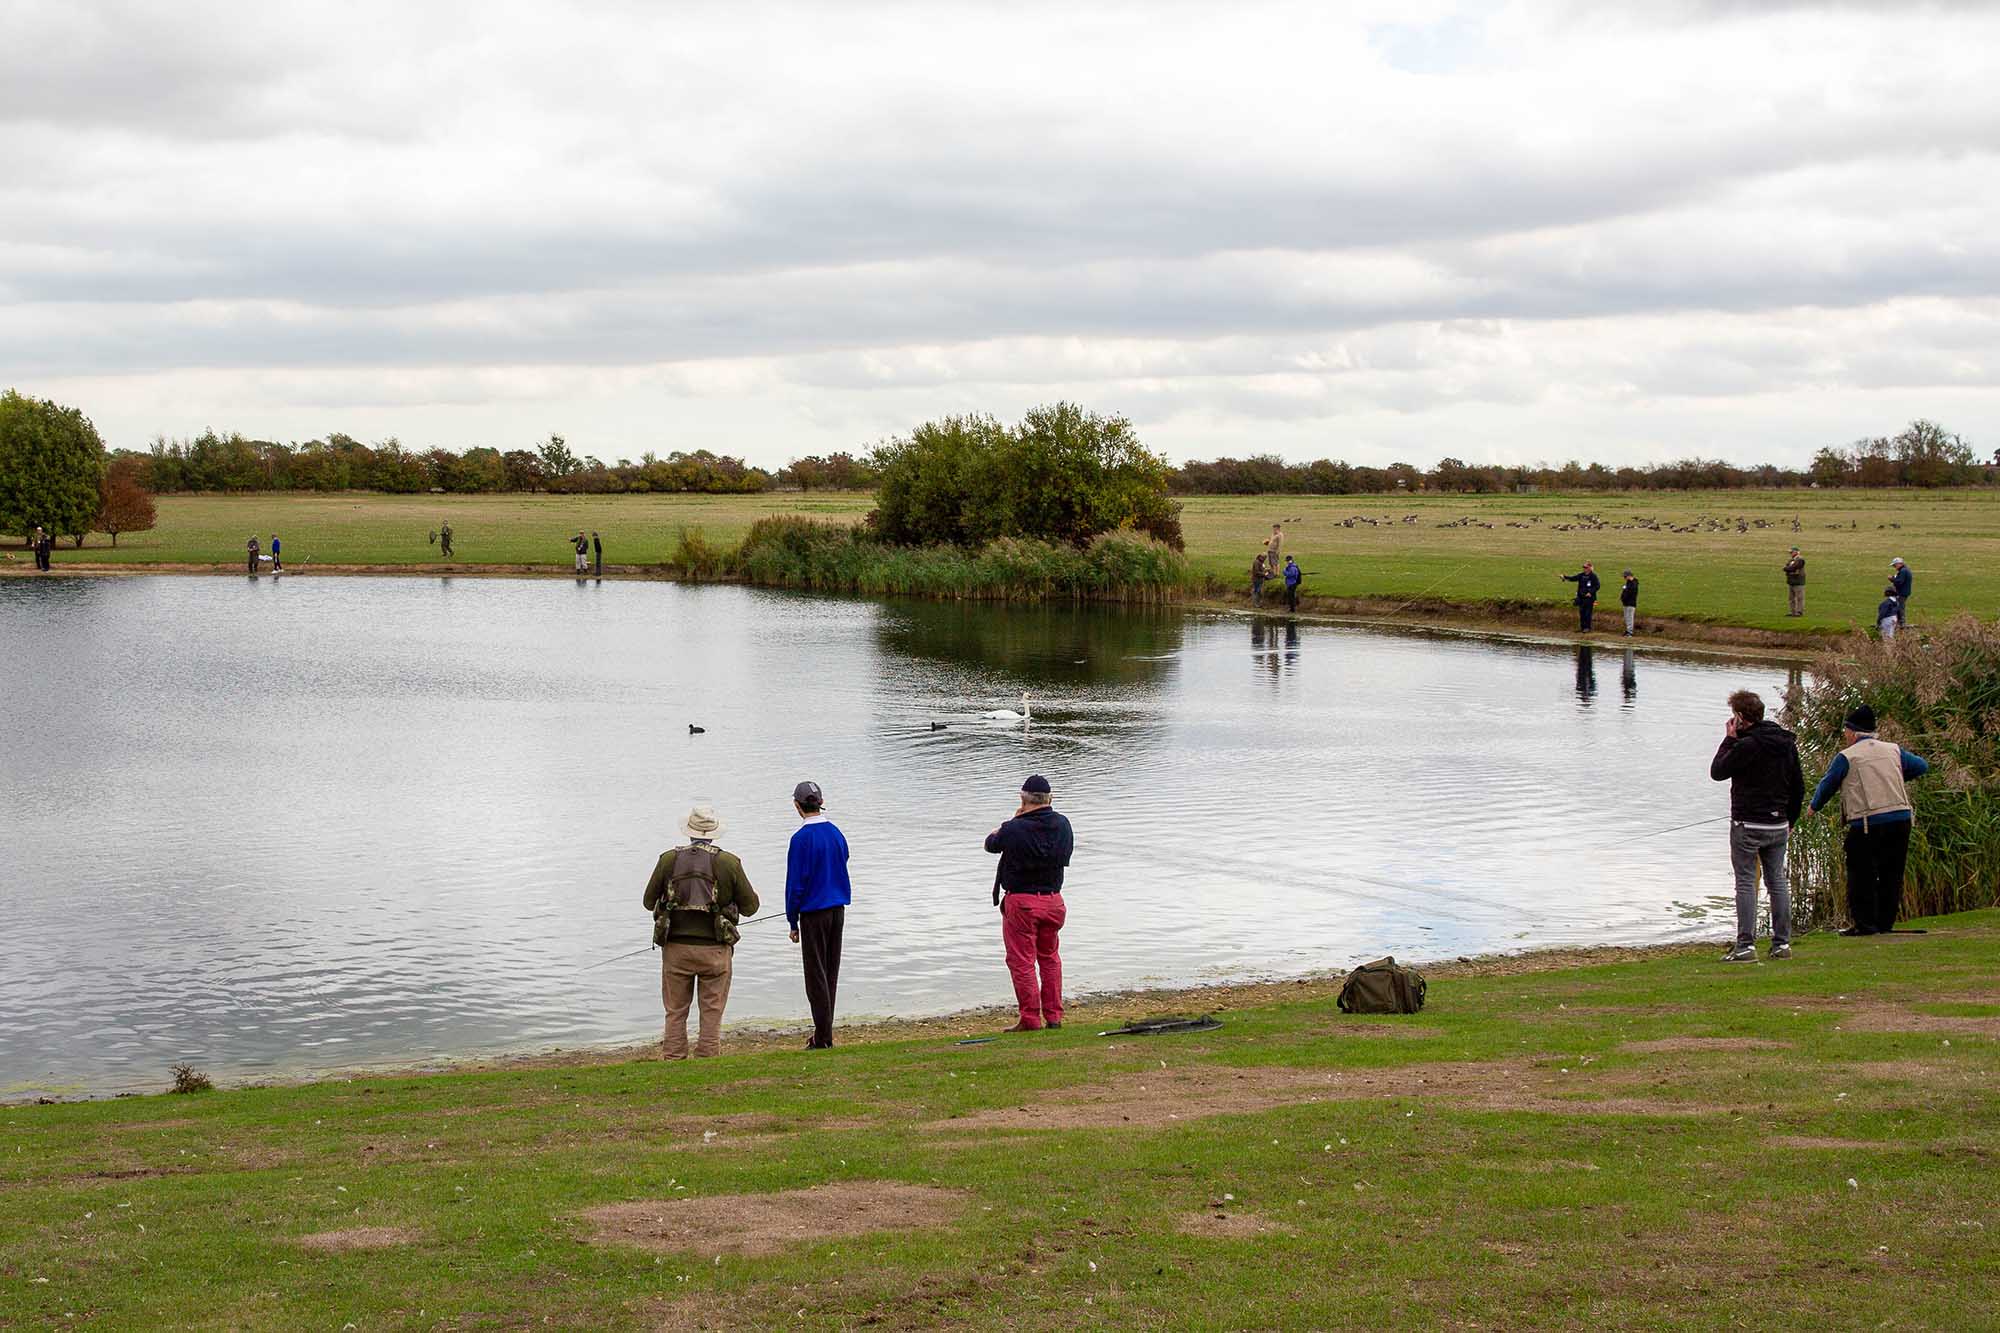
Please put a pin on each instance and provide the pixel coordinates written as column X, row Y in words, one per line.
column 1836, row 773
column 816, row 870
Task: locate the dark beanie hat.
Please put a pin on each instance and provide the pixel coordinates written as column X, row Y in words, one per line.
column 1861, row 718
column 1036, row 783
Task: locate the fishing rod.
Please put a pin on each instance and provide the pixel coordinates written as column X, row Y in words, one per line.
column 634, row 953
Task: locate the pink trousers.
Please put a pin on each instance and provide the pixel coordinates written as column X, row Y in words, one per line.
column 1029, row 924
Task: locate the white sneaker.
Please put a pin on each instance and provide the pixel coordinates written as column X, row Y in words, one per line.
column 1742, row 953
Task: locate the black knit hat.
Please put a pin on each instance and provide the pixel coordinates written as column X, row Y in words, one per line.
column 1036, row 784
column 1861, row 718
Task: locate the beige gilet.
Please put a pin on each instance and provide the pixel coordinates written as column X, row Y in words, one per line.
column 1874, row 784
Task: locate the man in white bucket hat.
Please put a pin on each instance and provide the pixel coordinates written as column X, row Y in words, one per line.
column 697, row 895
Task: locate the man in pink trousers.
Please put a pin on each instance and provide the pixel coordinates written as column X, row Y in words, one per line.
column 1034, row 847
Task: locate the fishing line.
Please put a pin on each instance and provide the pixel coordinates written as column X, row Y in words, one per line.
column 1713, row 819
column 634, row 953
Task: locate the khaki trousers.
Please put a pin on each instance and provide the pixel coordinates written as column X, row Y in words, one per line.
column 688, row 970
column 1797, row 594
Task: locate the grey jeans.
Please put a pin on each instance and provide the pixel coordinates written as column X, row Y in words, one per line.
column 1747, row 847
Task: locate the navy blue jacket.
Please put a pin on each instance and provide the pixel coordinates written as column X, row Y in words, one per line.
column 1885, row 610
column 1586, row 586
column 1033, row 850
column 1901, row 580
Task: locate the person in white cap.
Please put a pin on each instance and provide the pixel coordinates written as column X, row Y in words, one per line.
column 697, row 895
column 1900, row 578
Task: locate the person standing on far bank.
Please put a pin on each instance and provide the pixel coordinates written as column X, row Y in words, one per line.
column 1795, row 583
column 277, row 558
column 1760, row 761
column 1628, row 598
column 597, row 546
column 250, row 555
column 697, row 895
column 816, row 896
column 1292, row 576
column 444, row 540
column 1900, row 580
column 582, row 549
column 1888, row 613
column 43, row 544
column 1871, row 776
column 1034, row 849
column 1274, row 548
column 1259, row 571
column 1587, row 583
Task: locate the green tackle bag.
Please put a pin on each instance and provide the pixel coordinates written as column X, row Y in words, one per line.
column 1382, row 987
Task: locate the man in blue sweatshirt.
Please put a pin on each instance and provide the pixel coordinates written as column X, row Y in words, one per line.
column 1870, row 777
column 816, row 898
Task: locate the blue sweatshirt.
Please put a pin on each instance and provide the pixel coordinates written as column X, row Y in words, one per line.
column 1293, row 574
column 816, row 870
column 1836, row 773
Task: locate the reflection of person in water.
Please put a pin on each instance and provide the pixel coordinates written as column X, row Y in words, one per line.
column 1629, row 679
column 1291, row 645
column 1586, row 674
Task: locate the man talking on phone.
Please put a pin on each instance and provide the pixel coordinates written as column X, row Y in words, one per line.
column 1760, row 760
column 1034, row 848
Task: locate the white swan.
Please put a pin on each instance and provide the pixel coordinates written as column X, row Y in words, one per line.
column 1008, row 714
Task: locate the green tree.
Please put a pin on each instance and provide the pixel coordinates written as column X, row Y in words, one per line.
column 557, row 460
column 51, row 467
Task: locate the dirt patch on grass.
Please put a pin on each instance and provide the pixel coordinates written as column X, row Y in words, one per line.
column 1896, row 1018
column 1665, row 1044
column 1820, row 1141
column 1229, row 1226
column 358, row 1238
column 756, row 1224
column 1152, row 1100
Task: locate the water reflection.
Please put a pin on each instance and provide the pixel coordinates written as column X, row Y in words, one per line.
column 1586, row 675
column 1628, row 678
column 317, row 839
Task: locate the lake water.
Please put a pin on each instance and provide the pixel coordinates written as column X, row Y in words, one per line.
column 270, row 827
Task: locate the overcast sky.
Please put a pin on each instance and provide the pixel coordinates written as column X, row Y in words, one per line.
column 1509, row 232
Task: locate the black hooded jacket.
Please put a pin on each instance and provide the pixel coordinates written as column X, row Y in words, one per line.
column 1761, row 765
column 1033, row 848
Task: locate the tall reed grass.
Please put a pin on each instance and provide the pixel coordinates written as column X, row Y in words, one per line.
column 794, row 552
column 1937, row 694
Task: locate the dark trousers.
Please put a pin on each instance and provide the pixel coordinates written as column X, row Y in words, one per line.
column 1583, row 612
column 819, row 945
column 1291, row 596
column 1875, row 862
column 41, row 557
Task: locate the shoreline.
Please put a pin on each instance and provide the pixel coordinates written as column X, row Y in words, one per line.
column 1549, row 624
column 1086, row 1012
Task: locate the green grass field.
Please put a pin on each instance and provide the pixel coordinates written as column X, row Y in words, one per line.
column 1951, row 539
column 1667, row 1142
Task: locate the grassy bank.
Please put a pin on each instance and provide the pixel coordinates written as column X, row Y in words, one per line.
column 1713, row 575
column 1666, row 1142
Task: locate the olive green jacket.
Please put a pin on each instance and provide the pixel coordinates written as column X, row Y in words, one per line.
column 732, row 892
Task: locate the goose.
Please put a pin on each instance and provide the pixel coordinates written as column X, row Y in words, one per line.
column 939, row 726
column 1008, row 714
column 693, row 730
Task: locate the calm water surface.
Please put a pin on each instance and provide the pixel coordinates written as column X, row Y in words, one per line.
column 271, row 827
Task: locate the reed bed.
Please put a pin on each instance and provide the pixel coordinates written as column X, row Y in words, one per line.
column 1936, row 693
column 817, row 556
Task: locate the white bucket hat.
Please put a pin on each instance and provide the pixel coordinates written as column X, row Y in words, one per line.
column 702, row 822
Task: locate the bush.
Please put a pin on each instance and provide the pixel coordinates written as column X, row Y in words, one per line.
column 1939, row 695
column 189, row 1079
column 803, row 553
column 1062, row 475
column 693, row 557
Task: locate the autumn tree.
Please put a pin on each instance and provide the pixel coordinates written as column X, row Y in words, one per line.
column 126, row 505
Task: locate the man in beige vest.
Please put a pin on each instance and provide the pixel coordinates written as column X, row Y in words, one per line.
column 1870, row 776
column 697, row 895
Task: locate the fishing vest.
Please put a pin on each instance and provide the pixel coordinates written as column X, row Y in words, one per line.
column 692, row 889
column 1874, row 784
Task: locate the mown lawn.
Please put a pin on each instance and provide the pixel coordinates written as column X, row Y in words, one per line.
column 1951, row 540
column 1661, row 1143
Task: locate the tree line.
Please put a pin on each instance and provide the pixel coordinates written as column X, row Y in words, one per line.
column 1925, row 455
column 213, row 462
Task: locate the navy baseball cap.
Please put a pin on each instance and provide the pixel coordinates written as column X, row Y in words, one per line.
column 1036, row 783
column 808, row 795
